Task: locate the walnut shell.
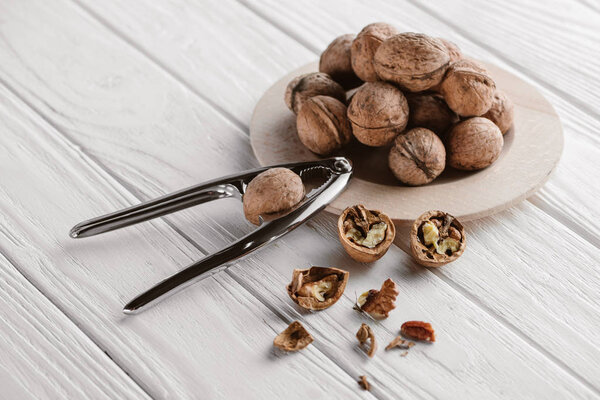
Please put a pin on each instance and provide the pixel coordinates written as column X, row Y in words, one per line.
column 336, row 61
column 453, row 50
column 364, row 47
column 363, row 220
column 414, row 61
column 502, row 111
column 378, row 112
column 322, row 125
column 448, row 227
column 272, row 193
column 429, row 110
column 417, row 157
column 317, row 288
column 474, row 144
column 468, row 88
column 295, row 337
column 303, row 87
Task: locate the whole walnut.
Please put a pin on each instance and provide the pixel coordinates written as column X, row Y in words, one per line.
column 429, row 110
column 336, row 61
column 364, row 47
column 502, row 111
column 414, row 61
column 474, row 144
column 378, row 112
column 453, row 50
column 417, row 157
column 305, row 86
column 468, row 88
column 323, row 126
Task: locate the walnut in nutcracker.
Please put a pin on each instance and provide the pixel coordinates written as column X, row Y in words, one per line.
column 303, row 87
column 429, row 110
column 317, row 288
column 501, row 112
column 468, row 88
column 364, row 47
column 366, row 235
column 437, row 238
column 336, row 61
column 474, row 144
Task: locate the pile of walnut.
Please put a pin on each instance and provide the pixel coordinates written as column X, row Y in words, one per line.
column 418, row 95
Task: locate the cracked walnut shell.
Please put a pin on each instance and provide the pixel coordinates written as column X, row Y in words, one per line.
column 317, row 288
column 418, row 330
column 502, row 111
column 303, row 87
column 364, row 47
column 366, row 235
column 295, row 337
column 437, row 238
column 379, row 303
column 468, row 88
column 474, row 144
column 364, row 334
column 336, row 61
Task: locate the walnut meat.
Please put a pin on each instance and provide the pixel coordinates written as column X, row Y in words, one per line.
column 295, row 337
column 336, row 61
column 366, row 235
column 364, row 334
column 417, row 157
column 364, row 47
column 418, row 330
column 379, row 303
column 437, row 238
column 317, row 288
column 474, row 144
column 429, row 110
column 414, row 61
column 271, row 193
column 468, row 88
column 322, row 125
column 502, row 111
column 303, row 87
column 378, row 112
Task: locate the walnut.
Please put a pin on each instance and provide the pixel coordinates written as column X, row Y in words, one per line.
column 418, row 330
column 365, row 234
column 414, row 61
column 399, row 343
column 317, row 288
column 437, row 238
column 429, row 110
column 336, row 61
column 502, row 111
column 417, row 157
column 295, row 337
column 474, row 144
column 303, row 87
column 366, row 333
column 468, row 88
column 378, row 112
column 364, row 383
column 272, row 193
column 364, row 47
column 379, row 303
column 453, row 50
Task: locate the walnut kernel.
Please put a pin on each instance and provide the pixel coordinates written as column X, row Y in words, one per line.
column 295, row 337
column 364, row 47
column 418, row 330
column 364, row 334
column 336, row 61
column 502, row 111
column 364, row 383
column 437, row 238
column 303, row 87
column 379, row 303
column 366, row 235
column 400, row 343
column 468, row 88
column 317, row 288
column 474, row 144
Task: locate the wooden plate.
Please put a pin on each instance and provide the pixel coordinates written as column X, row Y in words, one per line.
column 531, row 151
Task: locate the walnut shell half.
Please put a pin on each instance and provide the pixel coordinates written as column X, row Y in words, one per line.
column 474, row 144
column 336, row 61
column 437, row 238
column 303, row 87
column 364, row 47
column 295, row 337
column 317, row 288
column 365, row 234
column 468, row 88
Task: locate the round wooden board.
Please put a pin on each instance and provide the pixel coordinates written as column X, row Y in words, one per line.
column 531, row 151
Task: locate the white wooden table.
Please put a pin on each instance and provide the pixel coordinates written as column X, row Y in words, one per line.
column 105, row 104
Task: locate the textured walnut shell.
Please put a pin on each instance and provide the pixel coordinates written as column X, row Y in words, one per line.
column 303, row 87
column 303, row 277
column 414, row 61
column 417, row 157
column 429, row 110
column 502, row 111
column 422, row 254
column 336, row 61
column 322, row 125
column 378, row 112
column 453, row 50
column 468, row 88
column 361, row 253
column 474, row 144
column 271, row 193
column 364, row 47
column 295, row 337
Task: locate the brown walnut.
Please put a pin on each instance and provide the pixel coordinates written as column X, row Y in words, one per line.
column 417, row 157
column 468, row 88
column 429, row 110
column 336, row 61
column 366, row 235
column 317, row 288
column 295, row 337
column 437, row 238
column 502, row 111
column 322, row 125
column 271, row 193
column 414, row 61
column 379, row 303
column 378, row 112
column 418, row 330
column 366, row 333
column 364, row 47
column 474, row 144
column 303, row 87
column 453, row 50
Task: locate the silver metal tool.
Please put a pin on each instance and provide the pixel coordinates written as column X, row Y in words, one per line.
column 324, row 180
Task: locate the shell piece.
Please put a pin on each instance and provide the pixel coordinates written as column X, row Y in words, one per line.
column 364, row 47
column 418, row 330
column 429, row 110
column 453, row 49
column 502, row 111
column 474, row 144
column 414, row 61
column 364, row 334
column 295, row 337
column 468, row 88
column 271, row 193
column 432, row 236
column 317, row 288
column 356, row 222
column 379, row 303
column 322, row 125
column 417, row 157
column 336, row 61
column 303, row 87
column 378, row 112
column 399, row 343
column 363, row 383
